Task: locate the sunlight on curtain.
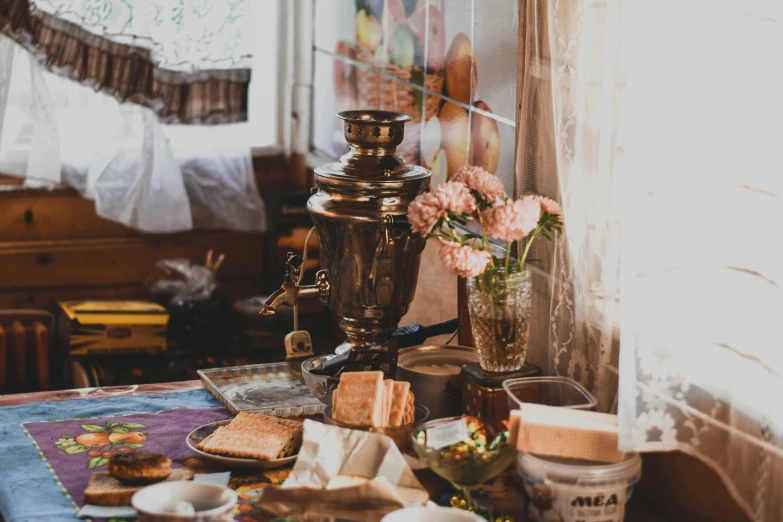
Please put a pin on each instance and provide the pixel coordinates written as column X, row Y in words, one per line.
column 702, row 264
column 658, row 125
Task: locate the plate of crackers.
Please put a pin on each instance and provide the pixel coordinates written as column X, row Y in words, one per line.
column 250, row 440
column 366, row 401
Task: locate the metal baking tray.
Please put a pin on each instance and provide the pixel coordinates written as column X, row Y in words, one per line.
column 271, row 389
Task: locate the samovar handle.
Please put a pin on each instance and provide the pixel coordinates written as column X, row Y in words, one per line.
column 322, row 282
column 387, row 225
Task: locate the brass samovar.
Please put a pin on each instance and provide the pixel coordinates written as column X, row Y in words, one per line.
column 369, row 255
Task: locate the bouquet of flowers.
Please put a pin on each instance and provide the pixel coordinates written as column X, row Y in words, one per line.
column 475, row 193
column 499, row 291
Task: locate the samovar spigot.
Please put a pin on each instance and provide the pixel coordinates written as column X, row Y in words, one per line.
column 291, row 292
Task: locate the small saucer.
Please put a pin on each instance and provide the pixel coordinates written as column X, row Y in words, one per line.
column 199, row 434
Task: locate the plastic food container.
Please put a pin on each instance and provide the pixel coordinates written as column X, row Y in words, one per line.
column 550, row 391
column 567, row 490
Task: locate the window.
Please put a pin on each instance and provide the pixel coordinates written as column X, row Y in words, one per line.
column 147, row 174
column 78, row 105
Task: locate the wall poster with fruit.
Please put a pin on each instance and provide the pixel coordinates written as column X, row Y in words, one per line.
column 450, row 64
column 101, row 441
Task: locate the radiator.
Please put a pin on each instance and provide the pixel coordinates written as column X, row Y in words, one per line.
column 26, row 351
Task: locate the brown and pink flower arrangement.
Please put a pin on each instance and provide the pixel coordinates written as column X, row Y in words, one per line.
column 473, row 193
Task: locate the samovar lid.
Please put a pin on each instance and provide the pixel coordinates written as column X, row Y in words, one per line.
column 372, row 161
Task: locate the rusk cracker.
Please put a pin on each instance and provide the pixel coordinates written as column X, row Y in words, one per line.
column 359, row 410
column 256, row 421
column 201, row 444
column 410, row 410
column 245, row 443
column 359, row 399
column 399, row 402
column 388, row 395
column 254, row 436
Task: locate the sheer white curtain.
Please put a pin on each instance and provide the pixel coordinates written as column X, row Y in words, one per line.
column 664, row 122
column 569, row 150
column 119, row 140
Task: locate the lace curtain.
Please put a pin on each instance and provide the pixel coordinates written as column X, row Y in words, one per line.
column 568, row 151
column 95, row 96
column 657, row 125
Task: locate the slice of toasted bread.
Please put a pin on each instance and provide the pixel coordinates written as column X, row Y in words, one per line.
column 105, row 490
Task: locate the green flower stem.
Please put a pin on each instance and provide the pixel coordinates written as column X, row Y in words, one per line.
column 529, row 242
column 440, row 234
column 508, row 256
column 485, row 239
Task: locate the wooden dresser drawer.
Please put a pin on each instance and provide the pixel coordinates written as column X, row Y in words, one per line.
column 121, row 260
column 37, row 215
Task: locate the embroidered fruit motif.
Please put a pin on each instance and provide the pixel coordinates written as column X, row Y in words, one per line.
column 136, row 437
column 117, row 437
column 93, row 439
column 101, row 441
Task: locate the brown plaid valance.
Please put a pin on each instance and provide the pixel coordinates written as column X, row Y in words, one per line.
column 128, row 72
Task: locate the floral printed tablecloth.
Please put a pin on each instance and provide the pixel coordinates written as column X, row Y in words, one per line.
column 48, row 450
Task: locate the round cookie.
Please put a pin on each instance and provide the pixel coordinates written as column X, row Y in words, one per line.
column 139, row 466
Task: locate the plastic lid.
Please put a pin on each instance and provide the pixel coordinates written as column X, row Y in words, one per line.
column 573, row 471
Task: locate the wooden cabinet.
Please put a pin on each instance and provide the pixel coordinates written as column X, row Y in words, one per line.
column 53, row 246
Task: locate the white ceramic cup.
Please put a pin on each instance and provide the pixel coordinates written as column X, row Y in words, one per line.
column 432, row 514
column 157, row 503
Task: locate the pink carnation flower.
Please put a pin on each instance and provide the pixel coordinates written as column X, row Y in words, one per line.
column 551, row 206
column 512, row 220
column 425, row 211
column 463, row 260
column 485, row 183
column 455, row 197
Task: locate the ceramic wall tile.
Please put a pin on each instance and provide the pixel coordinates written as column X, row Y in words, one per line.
column 335, row 91
column 485, row 143
column 335, row 21
column 445, row 139
column 387, row 37
column 402, row 97
column 495, row 36
column 492, row 147
column 432, row 155
column 451, row 50
column 436, row 292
